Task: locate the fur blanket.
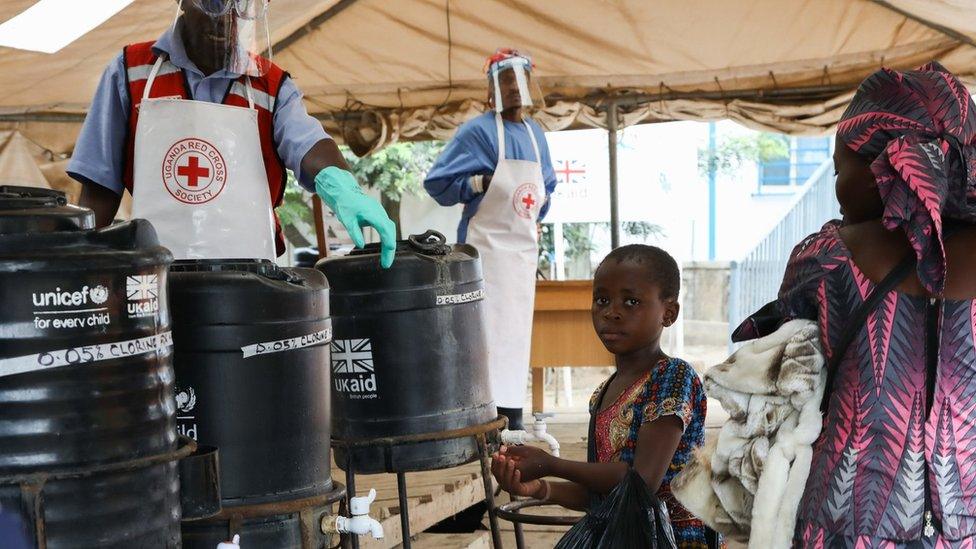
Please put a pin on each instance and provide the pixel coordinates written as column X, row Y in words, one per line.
column 747, row 482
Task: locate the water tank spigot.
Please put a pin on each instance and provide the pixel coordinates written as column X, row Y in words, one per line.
column 539, row 433
column 232, row 544
column 359, row 524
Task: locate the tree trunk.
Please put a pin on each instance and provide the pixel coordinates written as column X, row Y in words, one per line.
column 392, row 208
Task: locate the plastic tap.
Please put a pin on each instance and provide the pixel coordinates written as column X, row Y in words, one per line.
column 539, row 433
column 233, row 544
column 360, row 523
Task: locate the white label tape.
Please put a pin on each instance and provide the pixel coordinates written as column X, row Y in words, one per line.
column 85, row 354
column 458, row 299
column 320, row 337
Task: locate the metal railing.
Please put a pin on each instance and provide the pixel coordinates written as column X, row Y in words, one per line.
column 755, row 280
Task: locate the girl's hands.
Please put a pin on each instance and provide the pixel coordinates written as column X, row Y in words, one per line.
column 506, row 470
column 531, row 462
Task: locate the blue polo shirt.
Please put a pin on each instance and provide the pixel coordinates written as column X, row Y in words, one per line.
column 99, row 154
column 474, row 151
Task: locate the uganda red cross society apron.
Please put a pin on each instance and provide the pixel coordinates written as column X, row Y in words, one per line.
column 504, row 232
column 199, row 177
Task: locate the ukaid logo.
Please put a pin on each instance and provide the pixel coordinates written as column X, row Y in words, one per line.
column 142, row 294
column 352, row 368
column 65, row 308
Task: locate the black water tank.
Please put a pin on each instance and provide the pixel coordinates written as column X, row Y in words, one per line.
column 85, row 377
column 252, row 378
column 409, row 354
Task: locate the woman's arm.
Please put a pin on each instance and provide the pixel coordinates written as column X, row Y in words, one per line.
column 656, row 444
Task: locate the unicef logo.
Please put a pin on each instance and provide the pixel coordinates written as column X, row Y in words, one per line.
column 98, row 294
column 186, row 399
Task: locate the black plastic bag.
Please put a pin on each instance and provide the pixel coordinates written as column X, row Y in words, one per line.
column 631, row 516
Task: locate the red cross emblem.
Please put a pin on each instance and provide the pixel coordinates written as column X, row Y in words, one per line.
column 525, row 202
column 194, row 171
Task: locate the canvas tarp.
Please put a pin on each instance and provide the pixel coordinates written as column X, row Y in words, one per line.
column 377, row 71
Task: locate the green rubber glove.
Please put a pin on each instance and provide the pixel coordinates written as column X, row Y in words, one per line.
column 340, row 191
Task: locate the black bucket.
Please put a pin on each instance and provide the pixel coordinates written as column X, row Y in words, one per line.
column 251, row 350
column 86, row 405
column 409, row 355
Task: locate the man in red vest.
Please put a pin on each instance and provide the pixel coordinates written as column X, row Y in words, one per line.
column 201, row 129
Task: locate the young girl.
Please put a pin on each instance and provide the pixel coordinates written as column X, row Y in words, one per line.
column 650, row 414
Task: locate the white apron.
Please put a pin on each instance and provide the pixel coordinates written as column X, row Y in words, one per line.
column 504, row 232
column 199, row 178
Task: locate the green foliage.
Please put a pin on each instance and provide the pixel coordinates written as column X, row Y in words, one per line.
column 546, row 247
column 296, row 205
column 642, row 230
column 732, row 152
column 397, row 169
column 394, row 170
column 579, row 238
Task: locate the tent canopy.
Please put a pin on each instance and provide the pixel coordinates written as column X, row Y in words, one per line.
column 376, row 71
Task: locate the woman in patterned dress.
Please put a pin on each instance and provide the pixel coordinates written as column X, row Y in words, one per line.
column 650, row 414
column 894, row 463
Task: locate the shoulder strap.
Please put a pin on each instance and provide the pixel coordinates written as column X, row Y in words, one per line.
column 899, row 273
column 500, row 128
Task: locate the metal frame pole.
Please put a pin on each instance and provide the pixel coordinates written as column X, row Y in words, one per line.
column 351, row 493
column 404, row 513
column 614, row 202
column 496, row 534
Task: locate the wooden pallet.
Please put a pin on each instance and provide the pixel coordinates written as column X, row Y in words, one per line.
column 433, row 497
column 438, row 495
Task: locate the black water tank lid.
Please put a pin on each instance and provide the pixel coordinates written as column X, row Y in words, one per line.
column 37, row 210
column 261, row 267
column 424, row 260
column 129, row 244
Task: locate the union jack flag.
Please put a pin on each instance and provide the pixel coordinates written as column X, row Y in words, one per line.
column 571, row 171
column 352, row 356
column 141, row 287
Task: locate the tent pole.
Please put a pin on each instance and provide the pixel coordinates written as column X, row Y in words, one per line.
column 614, row 204
column 711, row 192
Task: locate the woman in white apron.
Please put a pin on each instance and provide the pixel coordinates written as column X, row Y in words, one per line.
column 498, row 165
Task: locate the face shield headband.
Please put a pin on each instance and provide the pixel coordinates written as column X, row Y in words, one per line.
column 521, row 66
column 241, row 33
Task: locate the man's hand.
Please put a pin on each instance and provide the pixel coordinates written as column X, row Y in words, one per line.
column 339, row 189
column 509, row 478
column 103, row 201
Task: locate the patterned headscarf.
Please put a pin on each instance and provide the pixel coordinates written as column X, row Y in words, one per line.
column 919, row 130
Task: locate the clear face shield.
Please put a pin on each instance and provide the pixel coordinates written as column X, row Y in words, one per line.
column 509, row 81
column 230, row 35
